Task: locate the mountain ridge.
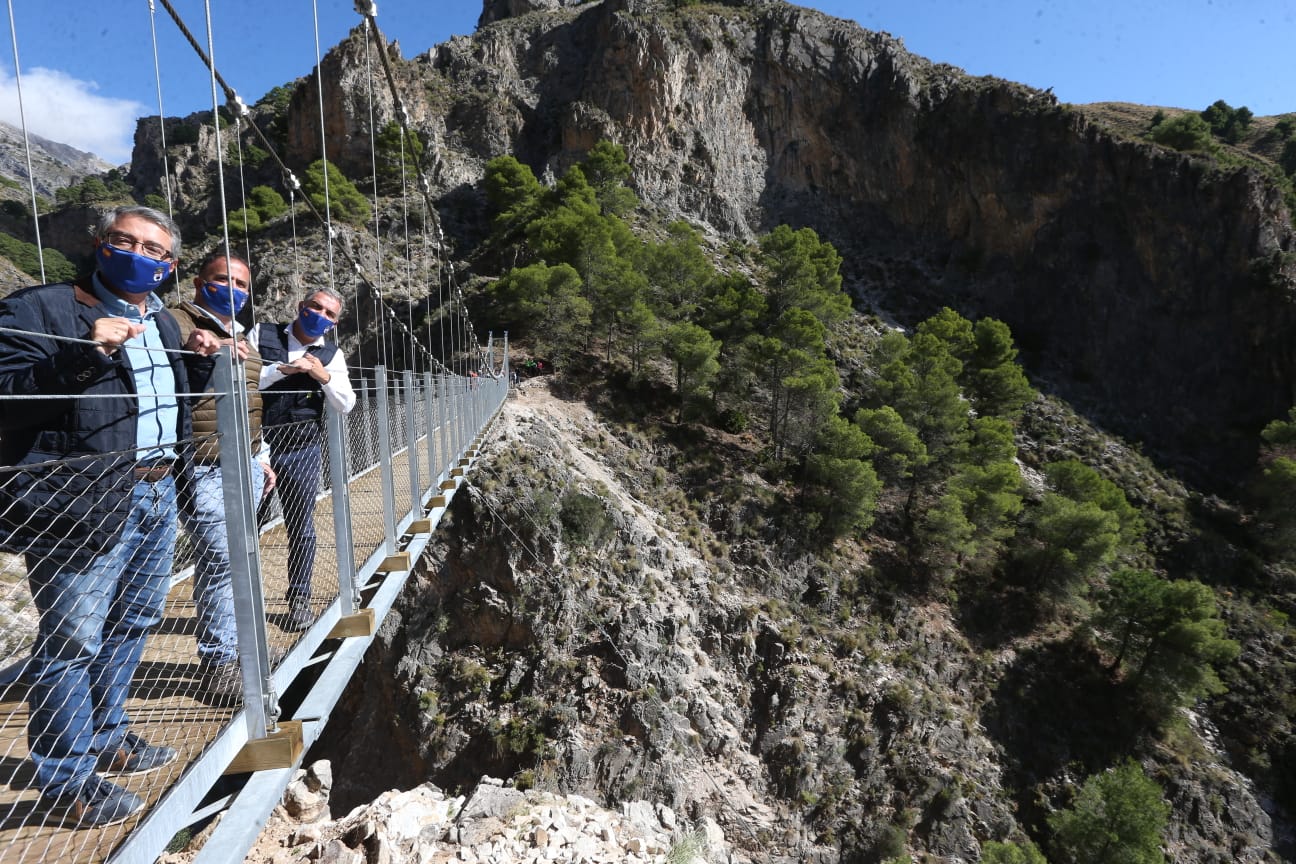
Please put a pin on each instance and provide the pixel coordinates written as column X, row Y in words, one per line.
column 55, row 165
column 990, row 195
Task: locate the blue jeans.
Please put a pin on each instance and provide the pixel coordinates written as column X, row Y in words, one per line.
column 213, row 593
column 92, row 628
column 298, row 473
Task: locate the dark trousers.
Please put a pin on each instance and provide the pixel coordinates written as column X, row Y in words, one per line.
column 297, row 473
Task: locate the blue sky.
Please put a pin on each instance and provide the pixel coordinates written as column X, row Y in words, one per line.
column 88, row 69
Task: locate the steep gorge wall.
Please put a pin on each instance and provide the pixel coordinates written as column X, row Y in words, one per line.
column 1154, row 290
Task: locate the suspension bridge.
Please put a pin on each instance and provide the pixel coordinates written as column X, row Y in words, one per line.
column 390, row 469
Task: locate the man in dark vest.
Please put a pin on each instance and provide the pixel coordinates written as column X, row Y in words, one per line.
column 300, row 374
column 222, row 286
column 88, row 497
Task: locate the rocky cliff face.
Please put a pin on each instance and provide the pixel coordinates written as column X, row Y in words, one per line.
column 495, row 824
column 653, row 660
column 1155, row 290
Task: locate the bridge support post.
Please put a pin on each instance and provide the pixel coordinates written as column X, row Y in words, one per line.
column 452, row 417
column 443, row 419
column 429, row 396
column 261, row 703
column 478, row 394
column 335, row 428
column 461, row 416
column 411, row 443
column 507, row 374
column 385, row 460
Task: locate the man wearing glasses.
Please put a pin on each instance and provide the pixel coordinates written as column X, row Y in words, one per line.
column 301, row 372
column 88, row 496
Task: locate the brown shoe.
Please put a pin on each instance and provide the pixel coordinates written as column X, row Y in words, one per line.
column 95, row 804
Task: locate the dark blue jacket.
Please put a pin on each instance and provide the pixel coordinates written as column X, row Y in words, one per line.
column 74, row 508
column 292, row 408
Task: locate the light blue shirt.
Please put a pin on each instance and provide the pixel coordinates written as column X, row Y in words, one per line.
column 159, row 412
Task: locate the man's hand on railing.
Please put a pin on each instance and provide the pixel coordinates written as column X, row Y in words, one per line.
column 308, row 363
column 112, row 333
column 206, row 343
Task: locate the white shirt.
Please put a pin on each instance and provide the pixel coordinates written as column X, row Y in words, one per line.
column 338, row 391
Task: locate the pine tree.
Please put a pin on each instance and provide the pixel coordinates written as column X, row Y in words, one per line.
column 995, row 382
column 1118, row 818
column 345, row 202
column 1010, row 853
column 802, row 272
column 397, row 156
column 693, row 351
column 839, row 487
column 678, row 273
column 1069, row 540
column 1275, row 490
column 608, row 172
column 1166, row 635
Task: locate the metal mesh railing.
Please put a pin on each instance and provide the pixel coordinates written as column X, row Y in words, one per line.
column 91, row 645
column 152, row 604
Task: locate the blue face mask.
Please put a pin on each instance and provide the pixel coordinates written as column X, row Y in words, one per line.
column 312, row 323
column 216, row 297
column 130, row 273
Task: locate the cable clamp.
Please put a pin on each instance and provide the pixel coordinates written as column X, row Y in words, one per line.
column 236, row 104
column 364, row 7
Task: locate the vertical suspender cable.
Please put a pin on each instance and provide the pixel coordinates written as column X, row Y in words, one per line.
column 373, row 163
column 292, row 209
column 247, row 235
column 429, row 272
column 446, row 353
column 220, row 157
column 157, row 75
column 324, row 164
column 31, row 178
column 409, row 255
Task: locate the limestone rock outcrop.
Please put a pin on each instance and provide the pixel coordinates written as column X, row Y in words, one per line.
column 939, row 189
column 1155, row 290
column 493, row 824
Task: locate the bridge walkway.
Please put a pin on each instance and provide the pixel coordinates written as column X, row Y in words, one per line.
column 167, row 705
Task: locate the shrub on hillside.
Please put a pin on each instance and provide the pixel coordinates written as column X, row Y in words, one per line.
column 24, row 256
column 1185, row 132
column 584, row 519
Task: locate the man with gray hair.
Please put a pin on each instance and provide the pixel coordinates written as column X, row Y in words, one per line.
column 88, row 497
column 301, row 373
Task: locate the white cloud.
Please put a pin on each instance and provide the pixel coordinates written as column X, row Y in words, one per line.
column 64, row 109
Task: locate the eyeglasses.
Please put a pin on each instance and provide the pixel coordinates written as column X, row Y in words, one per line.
column 120, row 240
